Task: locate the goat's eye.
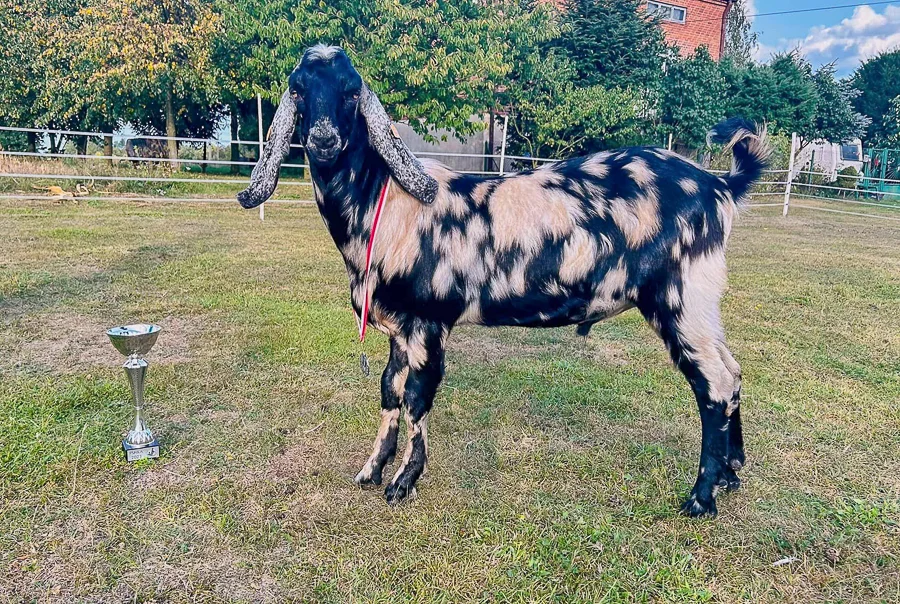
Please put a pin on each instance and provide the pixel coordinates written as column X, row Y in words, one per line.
column 296, row 96
column 353, row 97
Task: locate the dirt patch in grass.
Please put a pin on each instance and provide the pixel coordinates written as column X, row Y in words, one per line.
column 490, row 346
column 62, row 343
column 301, row 458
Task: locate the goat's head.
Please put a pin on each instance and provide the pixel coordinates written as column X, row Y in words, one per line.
column 330, row 97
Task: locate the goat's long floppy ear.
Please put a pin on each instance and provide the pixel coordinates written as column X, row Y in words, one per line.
column 264, row 178
column 406, row 169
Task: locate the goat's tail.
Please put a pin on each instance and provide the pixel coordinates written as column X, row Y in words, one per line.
column 751, row 153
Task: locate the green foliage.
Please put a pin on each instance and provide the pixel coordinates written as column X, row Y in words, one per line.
column 149, row 55
column 436, row 63
column 13, row 141
column 878, row 80
column 740, row 39
column 91, row 64
column 788, row 95
column 848, row 178
column 836, row 120
column 19, row 52
column 891, row 123
column 583, row 79
column 613, row 43
column 778, row 93
column 149, row 46
column 792, row 104
column 554, row 117
column 692, row 97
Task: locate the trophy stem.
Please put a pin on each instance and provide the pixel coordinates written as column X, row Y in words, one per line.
column 136, row 369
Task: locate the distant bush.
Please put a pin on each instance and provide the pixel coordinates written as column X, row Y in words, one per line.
column 848, row 178
column 13, row 141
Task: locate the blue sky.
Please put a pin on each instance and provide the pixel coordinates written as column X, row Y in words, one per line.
column 847, row 35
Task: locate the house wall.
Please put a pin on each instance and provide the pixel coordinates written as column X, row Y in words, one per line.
column 704, row 25
column 474, row 144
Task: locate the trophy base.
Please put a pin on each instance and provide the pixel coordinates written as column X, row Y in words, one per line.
column 136, row 452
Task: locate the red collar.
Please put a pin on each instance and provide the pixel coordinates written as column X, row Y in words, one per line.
column 364, row 317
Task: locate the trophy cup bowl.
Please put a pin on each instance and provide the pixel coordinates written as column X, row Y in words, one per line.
column 134, row 341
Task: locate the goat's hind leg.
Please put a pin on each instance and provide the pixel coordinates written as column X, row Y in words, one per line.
column 736, row 457
column 393, row 382
column 712, row 385
column 690, row 325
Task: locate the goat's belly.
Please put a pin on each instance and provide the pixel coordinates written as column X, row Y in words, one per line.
column 534, row 311
column 541, row 312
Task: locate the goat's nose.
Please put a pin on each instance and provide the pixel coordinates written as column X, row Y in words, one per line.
column 326, row 141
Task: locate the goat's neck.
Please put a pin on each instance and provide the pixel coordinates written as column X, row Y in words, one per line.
column 346, row 191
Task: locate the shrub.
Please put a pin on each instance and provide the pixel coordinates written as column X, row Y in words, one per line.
column 847, row 178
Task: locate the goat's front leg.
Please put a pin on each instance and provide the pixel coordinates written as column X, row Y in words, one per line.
column 425, row 349
column 393, row 381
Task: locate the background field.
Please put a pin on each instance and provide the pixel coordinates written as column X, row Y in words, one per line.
column 557, row 463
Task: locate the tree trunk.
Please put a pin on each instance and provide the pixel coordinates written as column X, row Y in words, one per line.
column 170, row 127
column 32, row 142
column 81, row 144
column 108, row 147
column 203, row 165
column 235, row 149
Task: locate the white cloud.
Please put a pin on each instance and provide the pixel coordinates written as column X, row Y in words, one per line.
column 863, row 35
column 764, row 52
column 750, row 8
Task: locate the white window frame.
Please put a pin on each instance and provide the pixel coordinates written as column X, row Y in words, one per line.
column 666, row 12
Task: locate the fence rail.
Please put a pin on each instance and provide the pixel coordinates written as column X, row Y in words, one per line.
column 775, row 183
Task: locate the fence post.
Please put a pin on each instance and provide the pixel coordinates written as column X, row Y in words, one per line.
column 790, row 176
column 262, row 209
column 503, row 144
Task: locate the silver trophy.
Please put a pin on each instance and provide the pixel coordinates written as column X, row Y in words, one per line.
column 134, row 341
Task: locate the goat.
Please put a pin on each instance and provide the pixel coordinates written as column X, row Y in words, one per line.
column 570, row 243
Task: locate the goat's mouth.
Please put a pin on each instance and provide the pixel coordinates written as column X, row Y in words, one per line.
column 323, row 157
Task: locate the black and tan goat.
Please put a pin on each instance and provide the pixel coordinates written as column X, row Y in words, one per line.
column 571, row 243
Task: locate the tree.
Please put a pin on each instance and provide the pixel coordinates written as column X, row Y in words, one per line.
column 20, row 87
column 151, row 53
column 614, row 43
column 878, row 80
column 435, row 63
column 891, row 123
column 692, row 97
column 555, row 117
column 791, row 97
column 781, row 93
column 741, row 41
column 836, row 120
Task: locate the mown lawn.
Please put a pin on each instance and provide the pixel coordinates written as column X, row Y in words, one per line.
column 556, row 463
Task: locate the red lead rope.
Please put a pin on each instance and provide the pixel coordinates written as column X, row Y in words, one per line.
column 364, row 320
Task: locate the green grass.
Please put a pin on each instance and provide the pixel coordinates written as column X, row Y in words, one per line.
column 557, row 464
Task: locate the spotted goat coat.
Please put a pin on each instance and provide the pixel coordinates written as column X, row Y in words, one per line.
column 571, row 243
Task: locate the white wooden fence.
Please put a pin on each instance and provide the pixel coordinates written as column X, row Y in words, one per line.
column 775, row 183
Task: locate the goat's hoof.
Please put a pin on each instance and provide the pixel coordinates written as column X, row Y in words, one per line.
column 396, row 494
column 368, row 476
column 736, row 463
column 729, row 480
column 696, row 507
